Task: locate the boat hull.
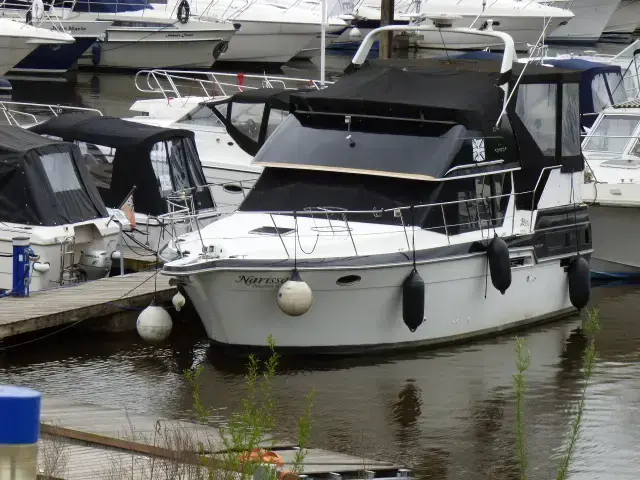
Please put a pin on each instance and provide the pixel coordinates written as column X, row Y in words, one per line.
column 591, row 17
column 625, row 19
column 58, row 59
column 239, row 308
column 616, row 230
column 12, row 51
column 134, row 49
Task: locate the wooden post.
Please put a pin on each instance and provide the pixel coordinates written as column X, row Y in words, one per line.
column 386, row 38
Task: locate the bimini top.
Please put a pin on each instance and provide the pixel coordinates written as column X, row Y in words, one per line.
column 250, row 117
column 429, row 119
column 601, row 84
column 121, row 154
column 44, row 181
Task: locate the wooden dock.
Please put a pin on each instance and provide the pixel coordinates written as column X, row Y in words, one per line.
column 76, row 303
column 97, row 442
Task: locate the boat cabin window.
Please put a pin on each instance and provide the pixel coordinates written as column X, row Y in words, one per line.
column 173, row 166
column 469, row 204
column 570, row 120
column 478, row 203
column 203, row 115
column 276, row 117
column 60, row 171
column 99, row 162
column 536, row 107
column 607, row 89
column 616, row 86
column 612, row 134
column 247, row 118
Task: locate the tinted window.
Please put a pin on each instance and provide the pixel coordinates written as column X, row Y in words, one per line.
column 60, row 171
column 599, row 93
column 247, row 118
column 570, row 119
column 536, row 107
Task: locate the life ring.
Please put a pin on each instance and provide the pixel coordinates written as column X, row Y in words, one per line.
column 184, row 11
column 263, row 456
column 37, row 6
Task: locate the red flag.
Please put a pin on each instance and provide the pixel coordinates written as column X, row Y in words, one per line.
column 127, row 208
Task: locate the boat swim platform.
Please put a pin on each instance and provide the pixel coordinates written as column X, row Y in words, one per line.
column 89, row 302
column 102, row 442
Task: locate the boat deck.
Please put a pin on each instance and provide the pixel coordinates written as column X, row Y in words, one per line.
column 76, row 303
column 97, row 442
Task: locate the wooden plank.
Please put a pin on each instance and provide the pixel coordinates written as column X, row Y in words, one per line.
column 69, row 304
column 139, row 439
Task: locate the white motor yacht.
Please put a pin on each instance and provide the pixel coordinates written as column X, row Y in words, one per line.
column 49, row 206
column 590, row 20
column 625, row 19
column 268, row 33
column 142, row 36
column 226, row 123
column 337, row 249
column 612, row 190
column 525, row 22
column 55, row 58
column 18, row 40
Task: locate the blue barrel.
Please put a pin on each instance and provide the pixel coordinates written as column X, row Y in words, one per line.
column 19, row 415
column 20, row 267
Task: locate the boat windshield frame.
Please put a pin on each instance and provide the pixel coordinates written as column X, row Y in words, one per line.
column 629, row 140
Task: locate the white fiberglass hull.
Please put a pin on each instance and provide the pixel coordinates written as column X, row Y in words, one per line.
column 12, row 51
column 268, row 42
column 591, row 17
column 192, row 45
column 615, row 223
column 94, row 236
column 625, row 19
column 239, row 307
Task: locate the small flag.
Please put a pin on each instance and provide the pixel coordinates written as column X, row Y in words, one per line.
column 127, row 208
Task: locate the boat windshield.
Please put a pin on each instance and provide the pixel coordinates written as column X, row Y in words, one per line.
column 612, row 134
column 202, row 115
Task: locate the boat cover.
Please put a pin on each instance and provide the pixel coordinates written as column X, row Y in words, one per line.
column 156, row 160
column 44, row 181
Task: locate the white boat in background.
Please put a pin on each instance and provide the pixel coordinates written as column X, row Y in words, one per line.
column 225, row 157
column 53, row 208
column 268, row 33
column 18, row 40
column 586, row 27
column 142, row 36
column 55, row 58
column 330, row 248
column 625, row 19
column 523, row 21
column 612, row 190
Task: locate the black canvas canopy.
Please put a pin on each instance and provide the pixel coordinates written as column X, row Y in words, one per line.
column 406, row 132
column 417, row 120
column 252, row 115
column 158, row 161
column 44, row 181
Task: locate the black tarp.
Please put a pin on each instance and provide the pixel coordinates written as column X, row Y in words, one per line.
column 132, row 163
column 44, row 181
